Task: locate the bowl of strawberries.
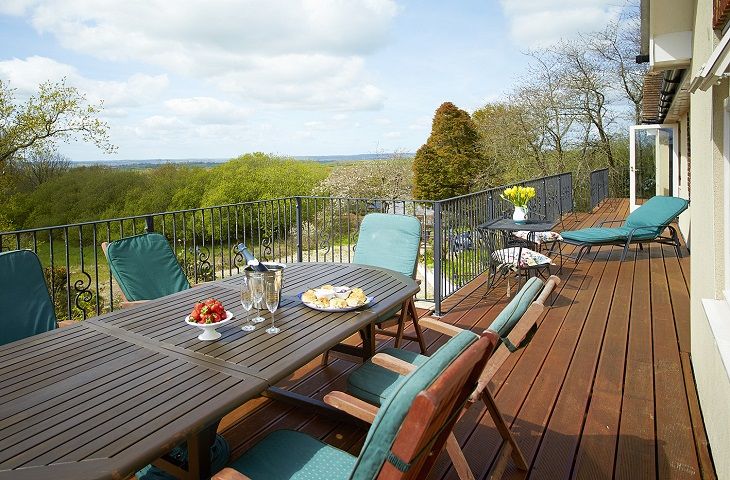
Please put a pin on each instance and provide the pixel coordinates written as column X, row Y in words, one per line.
column 208, row 315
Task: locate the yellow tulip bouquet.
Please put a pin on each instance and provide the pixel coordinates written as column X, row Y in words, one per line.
column 518, row 196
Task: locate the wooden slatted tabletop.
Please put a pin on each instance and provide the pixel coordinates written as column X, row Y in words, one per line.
column 105, row 397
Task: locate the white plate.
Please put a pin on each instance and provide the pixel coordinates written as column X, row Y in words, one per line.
column 209, row 332
column 368, row 300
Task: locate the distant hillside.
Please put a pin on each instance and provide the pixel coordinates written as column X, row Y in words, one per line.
column 204, row 162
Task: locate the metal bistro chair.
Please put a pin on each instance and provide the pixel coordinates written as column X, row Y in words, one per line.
column 145, row 267
column 26, row 305
column 407, row 433
column 509, row 254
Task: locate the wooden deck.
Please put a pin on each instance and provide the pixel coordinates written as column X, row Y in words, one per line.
column 604, row 390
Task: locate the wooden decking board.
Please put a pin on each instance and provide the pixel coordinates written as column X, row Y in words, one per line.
column 604, row 390
column 596, row 452
column 520, row 380
column 673, row 426
column 636, row 452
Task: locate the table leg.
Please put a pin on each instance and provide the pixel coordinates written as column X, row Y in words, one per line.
column 368, row 341
column 199, row 461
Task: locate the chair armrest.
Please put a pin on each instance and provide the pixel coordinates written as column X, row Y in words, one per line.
column 608, row 222
column 352, row 405
column 229, row 474
column 66, row 323
column 393, row 364
column 440, row 327
column 128, row 304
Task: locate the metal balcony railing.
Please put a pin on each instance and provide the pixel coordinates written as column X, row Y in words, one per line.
column 292, row 229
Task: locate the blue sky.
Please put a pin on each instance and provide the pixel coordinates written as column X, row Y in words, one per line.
column 216, row 79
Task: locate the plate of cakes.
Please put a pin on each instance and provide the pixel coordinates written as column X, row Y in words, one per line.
column 330, row 298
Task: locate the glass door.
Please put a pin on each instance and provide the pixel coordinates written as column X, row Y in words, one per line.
column 653, row 162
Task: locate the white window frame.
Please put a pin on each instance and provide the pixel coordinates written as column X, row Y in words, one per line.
column 676, row 187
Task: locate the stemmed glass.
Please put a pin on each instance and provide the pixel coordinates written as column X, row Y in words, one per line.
column 272, row 289
column 257, row 291
column 247, row 302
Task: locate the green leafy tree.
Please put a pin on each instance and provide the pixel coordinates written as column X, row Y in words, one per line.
column 446, row 165
column 57, row 113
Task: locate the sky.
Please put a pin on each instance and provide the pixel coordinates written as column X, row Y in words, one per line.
column 219, row 78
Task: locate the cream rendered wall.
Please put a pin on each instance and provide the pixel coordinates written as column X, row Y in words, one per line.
column 683, row 134
column 706, row 120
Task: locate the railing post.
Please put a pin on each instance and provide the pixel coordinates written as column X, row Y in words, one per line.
column 299, row 228
column 437, row 257
column 149, row 224
column 544, row 198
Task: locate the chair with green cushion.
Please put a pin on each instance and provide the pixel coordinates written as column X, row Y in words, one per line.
column 514, row 327
column 145, row 267
column 393, row 242
column 643, row 225
column 26, row 305
column 406, row 435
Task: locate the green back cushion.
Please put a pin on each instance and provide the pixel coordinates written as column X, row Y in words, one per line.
column 145, row 267
column 24, row 299
column 659, row 210
column 511, row 314
column 389, row 241
column 393, row 411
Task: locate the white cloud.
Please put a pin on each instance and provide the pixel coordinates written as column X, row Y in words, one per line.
column 393, row 135
column 536, row 23
column 25, row 75
column 297, row 53
column 208, row 110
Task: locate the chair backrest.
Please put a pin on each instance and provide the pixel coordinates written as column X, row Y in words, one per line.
column 659, row 210
column 416, row 419
column 516, row 308
column 26, row 306
column 145, row 267
column 389, row 241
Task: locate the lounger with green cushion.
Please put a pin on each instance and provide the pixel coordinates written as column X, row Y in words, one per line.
column 24, row 299
column 405, row 437
column 145, row 267
column 643, row 225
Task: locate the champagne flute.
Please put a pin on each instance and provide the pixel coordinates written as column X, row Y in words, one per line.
column 257, row 291
column 272, row 289
column 247, row 302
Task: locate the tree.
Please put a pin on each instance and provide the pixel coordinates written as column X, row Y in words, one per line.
column 40, row 166
column 389, row 178
column 57, row 113
column 446, row 165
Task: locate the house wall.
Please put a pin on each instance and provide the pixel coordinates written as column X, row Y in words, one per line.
column 707, row 114
column 684, row 162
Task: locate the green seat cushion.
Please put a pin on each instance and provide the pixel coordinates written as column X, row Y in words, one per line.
column 389, row 241
column 596, row 235
column 26, row 305
column 286, row 454
column 145, row 267
column 373, row 383
column 392, row 412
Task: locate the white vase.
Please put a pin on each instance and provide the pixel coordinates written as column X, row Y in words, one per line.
column 520, row 215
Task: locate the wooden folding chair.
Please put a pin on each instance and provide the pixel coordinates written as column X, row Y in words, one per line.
column 518, row 336
column 407, row 433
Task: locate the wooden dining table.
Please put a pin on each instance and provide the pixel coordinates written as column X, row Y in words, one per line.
column 103, row 398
